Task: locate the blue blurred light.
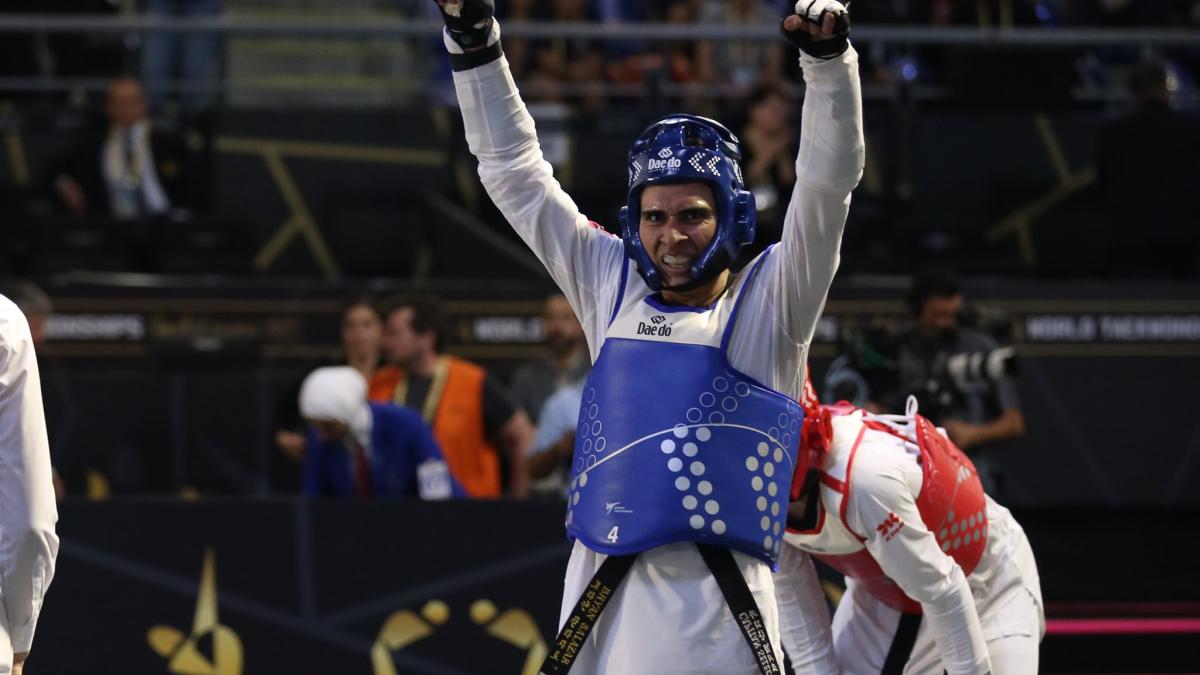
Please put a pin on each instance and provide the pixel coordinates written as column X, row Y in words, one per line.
column 908, row 70
column 1043, row 12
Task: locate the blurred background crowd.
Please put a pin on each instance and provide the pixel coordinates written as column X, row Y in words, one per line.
column 976, row 110
column 204, row 204
column 1009, row 139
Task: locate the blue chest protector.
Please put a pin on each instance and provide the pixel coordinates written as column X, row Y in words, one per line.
column 675, row 445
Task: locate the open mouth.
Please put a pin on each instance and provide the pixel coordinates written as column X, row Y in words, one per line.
column 677, row 263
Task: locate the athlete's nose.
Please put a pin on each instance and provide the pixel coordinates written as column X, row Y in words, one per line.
column 673, row 232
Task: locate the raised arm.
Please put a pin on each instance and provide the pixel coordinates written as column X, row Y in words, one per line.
column 828, row 167
column 582, row 259
column 28, row 543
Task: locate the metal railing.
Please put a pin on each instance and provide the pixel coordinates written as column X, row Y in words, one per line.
column 124, row 27
column 1051, row 38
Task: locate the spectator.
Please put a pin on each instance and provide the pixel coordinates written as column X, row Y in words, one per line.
column 566, row 360
column 561, row 60
column 129, row 170
column 192, row 57
column 741, row 62
column 1148, row 170
column 362, row 337
column 770, row 144
column 683, row 56
column 554, row 443
column 28, row 543
column 471, row 414
column 981, row 414
column 673, row 60
column 366, row 449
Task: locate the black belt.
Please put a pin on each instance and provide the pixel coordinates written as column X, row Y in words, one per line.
column 741, row 602
column 587, row 611
column 613, row 570
column 902, row 644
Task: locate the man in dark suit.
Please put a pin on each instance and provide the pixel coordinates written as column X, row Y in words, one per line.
column 1149, row 167
column 128, row 170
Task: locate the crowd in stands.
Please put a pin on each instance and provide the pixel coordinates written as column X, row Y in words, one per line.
column 557, row 68
column 148, row 158
column 185, row 68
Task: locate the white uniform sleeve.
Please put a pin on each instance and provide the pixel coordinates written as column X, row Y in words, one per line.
column 798, row 272
column 28, row 544
column 583, row 260
column 804, row 624
column 883, row 485
column 828, row 166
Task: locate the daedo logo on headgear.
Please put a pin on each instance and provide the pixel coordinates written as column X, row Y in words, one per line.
column 657, row 329
column 664, row 162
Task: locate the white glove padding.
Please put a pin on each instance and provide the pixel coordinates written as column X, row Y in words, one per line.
column 813, row 12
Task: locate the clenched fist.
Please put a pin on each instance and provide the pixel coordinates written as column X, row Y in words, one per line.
column 820, row 28
column 469, row 22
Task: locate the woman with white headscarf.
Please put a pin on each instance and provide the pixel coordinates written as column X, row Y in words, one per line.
column 367, row 449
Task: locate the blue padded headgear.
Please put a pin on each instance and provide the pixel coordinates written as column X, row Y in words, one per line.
column 690, row 149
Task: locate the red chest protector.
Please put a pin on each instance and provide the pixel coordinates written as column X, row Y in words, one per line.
column 952, row 502
column 952, row 505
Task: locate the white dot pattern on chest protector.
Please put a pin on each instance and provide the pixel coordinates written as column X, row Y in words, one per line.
column 682, row 445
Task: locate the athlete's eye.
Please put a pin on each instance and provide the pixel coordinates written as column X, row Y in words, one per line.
column 653, row 216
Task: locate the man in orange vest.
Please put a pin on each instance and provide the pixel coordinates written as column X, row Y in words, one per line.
column 472, row 415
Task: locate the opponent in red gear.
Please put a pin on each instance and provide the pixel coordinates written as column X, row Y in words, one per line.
column 939, row 576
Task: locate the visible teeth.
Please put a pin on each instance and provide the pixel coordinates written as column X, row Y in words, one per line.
column 677, row 260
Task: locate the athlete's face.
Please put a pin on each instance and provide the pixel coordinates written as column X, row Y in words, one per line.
column 677, row 223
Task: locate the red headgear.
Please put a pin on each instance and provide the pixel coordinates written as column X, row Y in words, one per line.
column 815, row 435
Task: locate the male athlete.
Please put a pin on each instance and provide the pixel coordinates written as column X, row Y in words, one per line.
column 696, row 369
column 939, row 577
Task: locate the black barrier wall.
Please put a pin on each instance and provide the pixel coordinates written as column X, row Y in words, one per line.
column 239, row 587
column 162, row 387
column 232, row 587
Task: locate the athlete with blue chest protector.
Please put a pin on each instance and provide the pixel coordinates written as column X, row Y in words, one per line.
column 688, row 426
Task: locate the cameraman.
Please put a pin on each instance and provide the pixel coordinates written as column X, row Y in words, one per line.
column 981, row 414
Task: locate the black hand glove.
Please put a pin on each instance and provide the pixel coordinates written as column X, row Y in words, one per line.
column 469, row 22
column 813, row 12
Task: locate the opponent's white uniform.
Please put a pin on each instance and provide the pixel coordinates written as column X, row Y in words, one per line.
column 28, row 544
column 668, row 614
column 990, row 621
